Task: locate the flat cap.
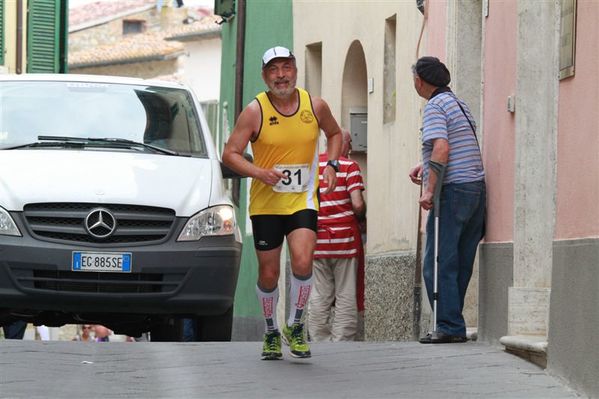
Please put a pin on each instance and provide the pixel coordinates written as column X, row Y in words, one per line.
column 433, row 71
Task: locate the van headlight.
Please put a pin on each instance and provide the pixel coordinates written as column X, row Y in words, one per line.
column 7, row 224
column 215, row 221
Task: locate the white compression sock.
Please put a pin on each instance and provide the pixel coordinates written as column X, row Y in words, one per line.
column 268, row 304
column 298, row 298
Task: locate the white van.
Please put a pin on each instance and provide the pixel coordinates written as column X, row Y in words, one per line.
column 113, row 208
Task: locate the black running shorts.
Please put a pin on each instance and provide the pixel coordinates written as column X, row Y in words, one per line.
column 269, row 230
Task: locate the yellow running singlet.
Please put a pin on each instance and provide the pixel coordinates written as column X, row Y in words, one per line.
column 289, row 144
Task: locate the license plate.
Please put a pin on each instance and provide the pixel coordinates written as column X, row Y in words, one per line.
column 102, row 262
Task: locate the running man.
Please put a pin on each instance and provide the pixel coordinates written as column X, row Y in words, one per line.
column 283, row 125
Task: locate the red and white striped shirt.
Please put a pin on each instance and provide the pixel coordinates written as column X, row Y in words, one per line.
column 338, row 233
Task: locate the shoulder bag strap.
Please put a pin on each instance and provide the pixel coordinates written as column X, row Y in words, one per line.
column 468, row 119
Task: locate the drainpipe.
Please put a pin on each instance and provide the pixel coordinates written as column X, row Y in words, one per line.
column 239, row 63
column 240, row 57
column 19, row 66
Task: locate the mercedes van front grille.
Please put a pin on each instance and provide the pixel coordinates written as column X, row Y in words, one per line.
column 98, row 224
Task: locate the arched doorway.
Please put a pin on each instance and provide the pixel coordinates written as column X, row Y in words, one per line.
column 354, row 117
column 354, row 103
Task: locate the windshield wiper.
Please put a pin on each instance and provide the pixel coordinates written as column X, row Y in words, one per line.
column 47, row 144
column 108, row 140
column 53, row 141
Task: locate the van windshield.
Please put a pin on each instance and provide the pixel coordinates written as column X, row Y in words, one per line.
column 160, row 116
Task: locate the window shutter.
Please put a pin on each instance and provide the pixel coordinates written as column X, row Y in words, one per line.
column 2, row 32
column 43, row 36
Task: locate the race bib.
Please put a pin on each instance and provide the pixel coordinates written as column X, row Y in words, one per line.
column 295, row 180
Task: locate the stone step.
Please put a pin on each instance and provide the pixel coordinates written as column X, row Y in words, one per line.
column 529, row 347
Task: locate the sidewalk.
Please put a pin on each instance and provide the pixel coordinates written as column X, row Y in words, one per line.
column 35, row 369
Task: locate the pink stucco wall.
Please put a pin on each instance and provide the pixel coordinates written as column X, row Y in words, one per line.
column 436, row 28
column 499, row 71
column 578, row 134
column 499, row 75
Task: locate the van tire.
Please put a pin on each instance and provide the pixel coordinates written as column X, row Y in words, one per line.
column 169, row 330
column 215, row 328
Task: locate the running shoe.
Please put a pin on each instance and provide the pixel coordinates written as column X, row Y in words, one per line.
column 294, row 337
column 271, row 350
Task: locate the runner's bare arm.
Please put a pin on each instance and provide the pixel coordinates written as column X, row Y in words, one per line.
column 246, row 128
column 332, row 131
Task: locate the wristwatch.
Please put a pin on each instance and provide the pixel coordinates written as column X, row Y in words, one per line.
column 334, row 164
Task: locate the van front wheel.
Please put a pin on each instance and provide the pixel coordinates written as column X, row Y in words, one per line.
column 168, row 330
column 215, row 328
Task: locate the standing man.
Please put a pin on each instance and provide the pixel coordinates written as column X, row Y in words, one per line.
column 449, row 140
column 338, row 251
column 283, row 125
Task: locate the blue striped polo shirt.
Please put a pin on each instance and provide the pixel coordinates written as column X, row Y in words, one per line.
column 444, row 119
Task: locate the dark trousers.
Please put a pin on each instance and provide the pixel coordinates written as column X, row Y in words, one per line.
column 461, row 224
column 15, row 330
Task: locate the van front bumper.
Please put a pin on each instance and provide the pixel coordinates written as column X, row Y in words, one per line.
column 197, row 278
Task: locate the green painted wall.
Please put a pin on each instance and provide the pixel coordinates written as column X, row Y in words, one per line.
column 268, row 23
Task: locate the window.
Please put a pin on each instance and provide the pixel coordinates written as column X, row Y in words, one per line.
column 314, row 68
column 567, row 42
column 132, row 26
column 389, row 89
column 46, row 36
column 160, row 116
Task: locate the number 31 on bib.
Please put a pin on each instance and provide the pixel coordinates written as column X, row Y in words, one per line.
column 295, row 180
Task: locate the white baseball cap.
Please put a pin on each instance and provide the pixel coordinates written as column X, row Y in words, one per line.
column 276, row 52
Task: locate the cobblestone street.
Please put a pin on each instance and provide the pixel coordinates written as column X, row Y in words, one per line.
column 233, row 370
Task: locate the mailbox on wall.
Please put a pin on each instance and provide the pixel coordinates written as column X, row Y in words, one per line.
column 358, row 126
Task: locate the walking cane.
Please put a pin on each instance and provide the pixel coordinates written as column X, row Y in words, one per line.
column 439, row 170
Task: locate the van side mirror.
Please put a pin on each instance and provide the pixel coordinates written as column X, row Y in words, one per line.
column 228, row 173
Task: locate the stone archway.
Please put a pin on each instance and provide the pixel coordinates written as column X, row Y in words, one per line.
column 354, row 117
column 354, row 103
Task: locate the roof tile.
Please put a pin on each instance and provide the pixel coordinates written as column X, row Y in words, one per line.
column 135, row 48
column 149, row 45
column 101, row 9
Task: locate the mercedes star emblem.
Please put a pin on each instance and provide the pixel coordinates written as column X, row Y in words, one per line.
column 100, row 223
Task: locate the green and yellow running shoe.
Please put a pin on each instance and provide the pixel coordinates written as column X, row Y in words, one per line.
column 271, row 350
column 294, row 337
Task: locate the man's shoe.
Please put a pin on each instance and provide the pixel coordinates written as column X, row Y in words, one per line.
column 271, row 350
column 294, row 337
column 442, row 338
column 437, row 337
column 426, row 339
